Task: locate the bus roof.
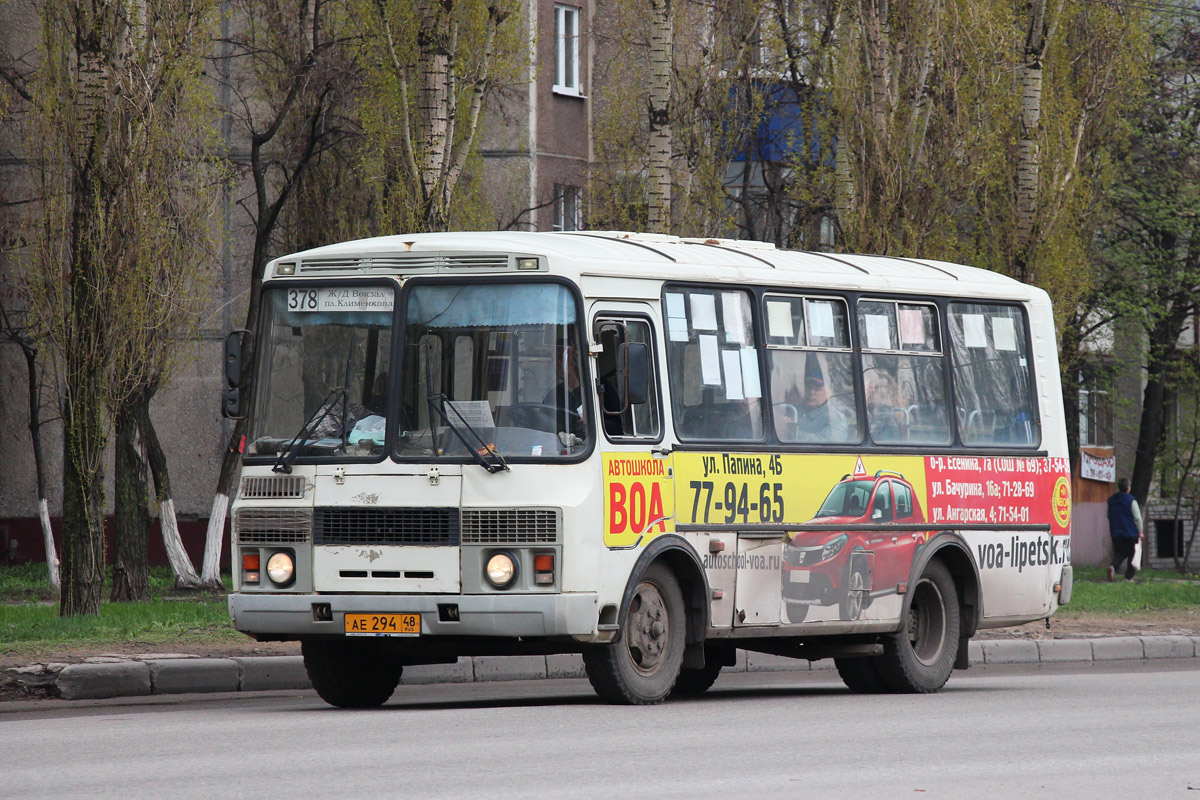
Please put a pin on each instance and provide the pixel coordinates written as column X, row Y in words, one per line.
column 616, row 254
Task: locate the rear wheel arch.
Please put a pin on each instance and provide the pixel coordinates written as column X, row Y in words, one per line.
column 954, row 554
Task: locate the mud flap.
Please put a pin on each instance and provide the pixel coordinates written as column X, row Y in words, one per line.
column 962, row 659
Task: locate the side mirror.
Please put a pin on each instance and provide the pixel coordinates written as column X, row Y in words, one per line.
column 633, row 372
column 233, row 399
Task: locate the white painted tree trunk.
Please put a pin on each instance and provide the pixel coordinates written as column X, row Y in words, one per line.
column 48, row 538
column 213, row 539
column 181, row 564
column 662, row 33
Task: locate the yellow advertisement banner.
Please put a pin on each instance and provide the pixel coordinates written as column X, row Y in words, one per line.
column 639, row 498
column 763, row 489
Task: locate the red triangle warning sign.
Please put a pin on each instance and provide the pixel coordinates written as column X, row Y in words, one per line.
column 859, row 469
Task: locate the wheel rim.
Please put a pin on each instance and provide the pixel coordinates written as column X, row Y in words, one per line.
column 647, row 630
column 927, row 623
column 855, row 596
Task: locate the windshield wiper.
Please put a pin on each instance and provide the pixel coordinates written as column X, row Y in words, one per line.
column 437, row 402
column 292, row 449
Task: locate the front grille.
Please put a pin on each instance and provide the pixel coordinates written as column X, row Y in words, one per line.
column 428, row 526
column 272, row 525
column 273, row 487
column 510, row 526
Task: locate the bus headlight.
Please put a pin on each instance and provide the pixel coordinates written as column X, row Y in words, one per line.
column 281, row 568
column 501, row 570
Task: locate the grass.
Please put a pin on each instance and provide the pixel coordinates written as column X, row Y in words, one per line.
column 1152, row 590
column 29, row 621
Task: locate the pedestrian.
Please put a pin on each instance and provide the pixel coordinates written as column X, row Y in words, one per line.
column 1125, row 528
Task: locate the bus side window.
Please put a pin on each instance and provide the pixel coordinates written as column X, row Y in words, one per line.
column 618, row 418
column 993, row 377
column 713, row 364
column 903, row 376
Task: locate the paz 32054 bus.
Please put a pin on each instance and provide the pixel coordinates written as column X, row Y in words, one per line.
column 648, row 450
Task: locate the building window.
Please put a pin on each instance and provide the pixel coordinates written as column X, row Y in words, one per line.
column 1095, row 413
column 566, row 47
column 568, row 210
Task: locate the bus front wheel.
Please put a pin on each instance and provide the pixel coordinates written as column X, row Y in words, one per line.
column 350, row 673
column 642, row 665
column 920, row 657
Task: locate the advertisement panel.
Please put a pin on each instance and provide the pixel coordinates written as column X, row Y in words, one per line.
column 1014, row 513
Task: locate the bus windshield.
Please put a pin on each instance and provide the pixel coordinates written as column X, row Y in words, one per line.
column 322, row 385
column 493, row 367
column 489, row 369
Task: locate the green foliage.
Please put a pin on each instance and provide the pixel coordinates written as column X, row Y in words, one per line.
column 1152, row 590
column 427, row 69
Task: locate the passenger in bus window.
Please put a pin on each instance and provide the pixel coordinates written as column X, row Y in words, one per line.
column 818, row 420
column 888, row 419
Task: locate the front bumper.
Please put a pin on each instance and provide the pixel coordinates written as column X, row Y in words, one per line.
column 502, row 615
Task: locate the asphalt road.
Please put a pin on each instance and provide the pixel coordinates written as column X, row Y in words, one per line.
column 1119, row 729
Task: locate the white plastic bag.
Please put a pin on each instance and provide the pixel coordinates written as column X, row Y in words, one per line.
column 1136, row 562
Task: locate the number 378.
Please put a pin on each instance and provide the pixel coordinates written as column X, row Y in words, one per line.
column 302, row 299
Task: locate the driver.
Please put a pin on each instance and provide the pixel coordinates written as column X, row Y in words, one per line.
column 566, row 395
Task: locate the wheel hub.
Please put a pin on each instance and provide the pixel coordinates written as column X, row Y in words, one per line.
column 647, row 631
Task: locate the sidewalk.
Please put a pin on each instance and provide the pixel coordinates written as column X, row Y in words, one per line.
column 168, row 673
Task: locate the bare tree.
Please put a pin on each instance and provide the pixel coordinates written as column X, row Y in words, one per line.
column 19, row 335
column 116, row 121
column 290, row 74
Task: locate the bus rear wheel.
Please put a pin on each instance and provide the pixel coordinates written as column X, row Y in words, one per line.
column 861, row 675
column 642, row 665
column 350, row 673
column 695, row 682
column 919, row 658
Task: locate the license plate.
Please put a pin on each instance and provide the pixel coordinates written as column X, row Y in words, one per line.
column 383, row 624
column 798, row 576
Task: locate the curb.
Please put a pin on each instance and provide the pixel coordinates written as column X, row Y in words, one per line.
column 112, row 676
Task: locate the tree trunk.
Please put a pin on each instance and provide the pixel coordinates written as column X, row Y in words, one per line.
column 83, row 498
column 433, row 106
column 84, row 433
column 662, row 34
column 181, row 564
column 131, row 523
column 1029, row 78
column 39, row 465
column 877, row 49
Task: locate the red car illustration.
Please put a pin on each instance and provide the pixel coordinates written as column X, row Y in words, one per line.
column 853, row 566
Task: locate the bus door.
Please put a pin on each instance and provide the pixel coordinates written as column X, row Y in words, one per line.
column 639, row 493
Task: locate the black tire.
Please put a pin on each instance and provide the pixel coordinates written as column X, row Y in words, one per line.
column 642, row 665
column 349, row 673
column 851, row 606
column 861, row 675
column 919, row 658
column 694, row 682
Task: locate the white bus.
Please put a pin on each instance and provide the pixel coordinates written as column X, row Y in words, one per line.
column 648, row 450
